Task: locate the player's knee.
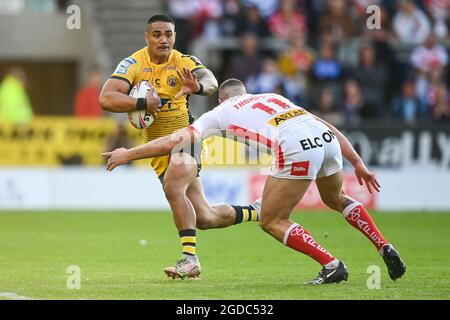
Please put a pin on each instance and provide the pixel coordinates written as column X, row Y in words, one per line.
column 172, row 191
column 333, row 202
column 268, row 225
column 203, row 222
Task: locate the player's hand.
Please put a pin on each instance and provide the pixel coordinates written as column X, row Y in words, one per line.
column 189, row 83
column 153, row 103
column 365, row 176
column 115, row 158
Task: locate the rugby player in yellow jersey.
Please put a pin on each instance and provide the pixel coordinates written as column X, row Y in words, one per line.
column 175, row 76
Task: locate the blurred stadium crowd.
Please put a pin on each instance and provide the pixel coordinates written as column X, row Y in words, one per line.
column 334, row 63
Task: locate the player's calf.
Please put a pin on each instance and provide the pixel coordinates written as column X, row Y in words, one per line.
column 357, row 216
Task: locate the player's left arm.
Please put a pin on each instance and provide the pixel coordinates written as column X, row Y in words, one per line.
column 201, row 81
column 207, row 81
column 361, row 171
column 155, row 148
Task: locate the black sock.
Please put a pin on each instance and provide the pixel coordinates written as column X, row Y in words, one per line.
column 245, row 214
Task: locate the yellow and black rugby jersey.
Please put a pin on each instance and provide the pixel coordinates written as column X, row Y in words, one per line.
column 174, row 114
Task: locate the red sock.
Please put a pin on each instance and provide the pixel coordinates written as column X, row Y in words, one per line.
column 301, row 240
column 359, row 218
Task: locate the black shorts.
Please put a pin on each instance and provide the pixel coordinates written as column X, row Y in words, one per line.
column 195, row 151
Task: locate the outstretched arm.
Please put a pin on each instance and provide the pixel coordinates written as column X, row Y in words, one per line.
column 200, row 81
column 207, row 80
column 155, row 148
column 362, row 173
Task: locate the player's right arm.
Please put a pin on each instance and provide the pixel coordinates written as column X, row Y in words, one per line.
column 361, row 171
column 114, row 96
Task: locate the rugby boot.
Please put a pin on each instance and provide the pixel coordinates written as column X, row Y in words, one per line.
column 331, row 275
column 184, row 268
column 396, row 267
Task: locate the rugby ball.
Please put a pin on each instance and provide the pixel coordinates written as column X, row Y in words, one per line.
column 140, row 119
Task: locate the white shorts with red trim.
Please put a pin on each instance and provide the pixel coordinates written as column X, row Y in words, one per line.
column 306, row 150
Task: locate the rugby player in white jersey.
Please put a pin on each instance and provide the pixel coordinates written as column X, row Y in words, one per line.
column 305, row 149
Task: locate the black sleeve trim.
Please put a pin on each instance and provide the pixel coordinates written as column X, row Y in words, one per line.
column 123, row 79
column 200, row 91
column 196, row 68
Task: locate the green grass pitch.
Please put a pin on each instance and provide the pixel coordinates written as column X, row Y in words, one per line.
column 241, row 262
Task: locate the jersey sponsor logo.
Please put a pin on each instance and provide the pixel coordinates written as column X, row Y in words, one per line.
column 124, row 65
column 172, row 81
column 308, row 144
column 328, row 136
column 286, row 116
column 171, row 68
column 147, row 69
column 316, row 142
column 168, row 103
column 300, row 169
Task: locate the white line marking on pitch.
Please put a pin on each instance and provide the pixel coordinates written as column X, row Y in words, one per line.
column 13, row 296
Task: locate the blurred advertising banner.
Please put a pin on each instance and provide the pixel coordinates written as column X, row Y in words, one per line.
column 402, row 147
column 225, row 185
column 81, row 188
column 57, row 141
column 25, row 189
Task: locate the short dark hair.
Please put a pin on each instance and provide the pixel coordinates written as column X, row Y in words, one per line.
column 160, row 18
column 230, row 88
column 232, row 82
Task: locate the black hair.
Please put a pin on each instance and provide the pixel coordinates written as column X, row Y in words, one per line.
column 160, row 18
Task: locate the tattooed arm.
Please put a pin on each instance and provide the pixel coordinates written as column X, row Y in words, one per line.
column 207, row 81
column 201, row 81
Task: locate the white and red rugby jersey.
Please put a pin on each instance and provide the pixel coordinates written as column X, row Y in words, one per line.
column 256, row 118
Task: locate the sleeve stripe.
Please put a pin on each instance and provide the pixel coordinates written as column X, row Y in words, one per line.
column 199, row 67
column 122, row 78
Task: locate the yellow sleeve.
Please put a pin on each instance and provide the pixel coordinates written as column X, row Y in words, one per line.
column 126, row 70
column 191, row 62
